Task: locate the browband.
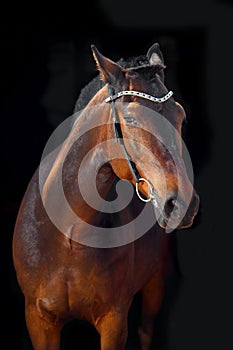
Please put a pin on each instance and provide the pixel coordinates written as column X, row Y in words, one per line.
column 139, row 94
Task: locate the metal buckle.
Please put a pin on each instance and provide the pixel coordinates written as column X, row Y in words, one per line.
column 150, row 197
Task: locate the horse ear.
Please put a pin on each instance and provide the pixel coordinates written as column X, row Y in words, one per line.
column 110, row 71
column 155, row 55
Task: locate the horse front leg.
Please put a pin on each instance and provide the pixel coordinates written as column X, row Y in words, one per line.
column 44, row 335
column 152, row 296
column 113, row 330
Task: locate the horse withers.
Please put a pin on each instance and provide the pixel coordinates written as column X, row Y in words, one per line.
column 74, row 258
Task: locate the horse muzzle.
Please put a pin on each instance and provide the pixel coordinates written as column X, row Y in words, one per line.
column 176, row 214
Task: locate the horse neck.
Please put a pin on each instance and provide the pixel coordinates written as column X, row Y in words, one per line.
column 86, row 175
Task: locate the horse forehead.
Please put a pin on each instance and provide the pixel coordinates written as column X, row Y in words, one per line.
column 149, row 120
column 151, row 84
column 171, row 111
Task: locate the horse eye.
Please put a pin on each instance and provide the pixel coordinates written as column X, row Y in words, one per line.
column 130, row 120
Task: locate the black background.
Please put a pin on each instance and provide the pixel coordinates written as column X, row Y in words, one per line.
column 46, row 60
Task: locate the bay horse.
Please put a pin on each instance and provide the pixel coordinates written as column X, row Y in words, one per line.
column 78, row 259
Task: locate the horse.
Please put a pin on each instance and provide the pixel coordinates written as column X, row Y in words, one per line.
column 79, row 251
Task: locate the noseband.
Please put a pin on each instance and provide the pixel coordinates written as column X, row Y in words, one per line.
column 119, row 136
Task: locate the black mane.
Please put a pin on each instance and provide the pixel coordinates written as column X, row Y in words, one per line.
column 96, row 84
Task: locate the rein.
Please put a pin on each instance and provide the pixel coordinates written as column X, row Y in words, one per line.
column 119, row 136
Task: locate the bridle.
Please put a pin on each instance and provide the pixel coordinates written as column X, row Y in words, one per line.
column 119, row 136
column 139, row 94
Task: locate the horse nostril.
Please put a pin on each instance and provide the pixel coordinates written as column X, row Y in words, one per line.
column 170, row 205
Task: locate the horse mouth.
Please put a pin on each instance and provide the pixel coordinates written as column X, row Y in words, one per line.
column 173, row 221
column 163, row 222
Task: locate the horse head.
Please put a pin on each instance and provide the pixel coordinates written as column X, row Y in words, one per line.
column 149, row 124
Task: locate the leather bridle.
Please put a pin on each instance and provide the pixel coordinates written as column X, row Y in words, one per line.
column 119, row 136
